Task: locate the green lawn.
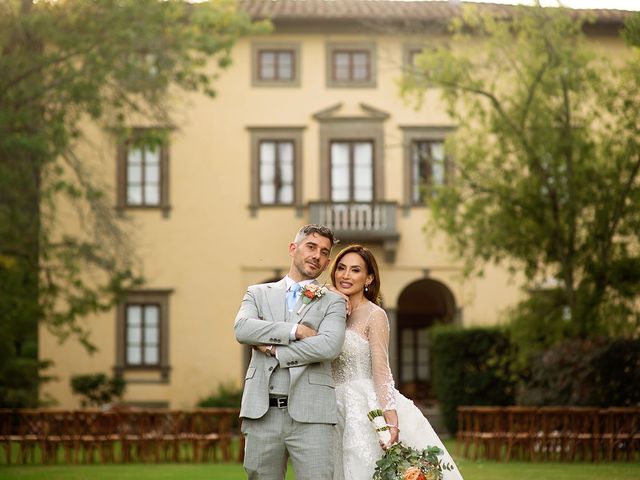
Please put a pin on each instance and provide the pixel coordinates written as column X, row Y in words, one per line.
column 480, row 470
column 470, row 470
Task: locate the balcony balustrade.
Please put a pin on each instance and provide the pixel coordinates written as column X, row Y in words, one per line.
column 366, row 222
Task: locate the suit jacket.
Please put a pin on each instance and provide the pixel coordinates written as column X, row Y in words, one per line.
column 261, row 320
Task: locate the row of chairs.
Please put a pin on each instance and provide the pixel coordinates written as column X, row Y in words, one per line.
column 49, row 436
column 549, row 433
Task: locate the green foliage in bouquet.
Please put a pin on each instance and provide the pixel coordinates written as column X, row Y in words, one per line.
column 400, row 462
column 375, row 413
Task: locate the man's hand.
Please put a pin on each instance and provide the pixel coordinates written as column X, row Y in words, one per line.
column 303, row 332
column 262, row 348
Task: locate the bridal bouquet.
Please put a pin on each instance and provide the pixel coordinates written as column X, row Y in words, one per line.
column 401, row 462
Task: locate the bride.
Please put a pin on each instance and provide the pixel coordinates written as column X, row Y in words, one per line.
column 363, row 377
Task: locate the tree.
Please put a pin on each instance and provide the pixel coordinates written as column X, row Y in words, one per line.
column 547, row 157
column 65, row 62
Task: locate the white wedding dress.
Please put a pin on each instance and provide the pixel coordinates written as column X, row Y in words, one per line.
column 364, row 383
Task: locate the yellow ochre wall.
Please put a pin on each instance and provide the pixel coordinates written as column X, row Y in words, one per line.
column 210, row 247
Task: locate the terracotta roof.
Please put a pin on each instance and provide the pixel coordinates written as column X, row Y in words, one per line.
column 386, row 10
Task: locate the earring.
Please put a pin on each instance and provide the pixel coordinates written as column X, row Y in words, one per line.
column 366, row 288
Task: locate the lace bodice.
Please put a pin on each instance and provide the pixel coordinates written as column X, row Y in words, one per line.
column 365, row 354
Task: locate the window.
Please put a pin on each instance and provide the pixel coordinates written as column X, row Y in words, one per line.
column 143, row 171
column 276, row 171
column 413, row 54
column 143, row 175
column 348, row 66
column 351, row 65
column 351, row 171
column 142, row 328
column 409, row 56
column 426, row 164
column 276, row 165
column 142, row 334
column 276, row 64
column 427, row 168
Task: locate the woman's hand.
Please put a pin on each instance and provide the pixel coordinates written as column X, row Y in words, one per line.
column 335, row 290
column 395, row 436
column 391, row 417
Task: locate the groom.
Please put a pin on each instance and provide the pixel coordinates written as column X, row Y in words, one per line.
column 289, row 404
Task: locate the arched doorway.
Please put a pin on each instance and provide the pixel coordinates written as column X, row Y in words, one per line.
column 421, row 304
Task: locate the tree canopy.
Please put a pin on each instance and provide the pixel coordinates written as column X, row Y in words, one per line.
column 65, row 63
column 546, row 161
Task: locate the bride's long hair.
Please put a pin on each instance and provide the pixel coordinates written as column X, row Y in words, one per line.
column 372, row 292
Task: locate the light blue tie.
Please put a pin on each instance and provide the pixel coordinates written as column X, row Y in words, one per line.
column 292, row 295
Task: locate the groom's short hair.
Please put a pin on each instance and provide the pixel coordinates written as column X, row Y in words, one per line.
column 312, row 228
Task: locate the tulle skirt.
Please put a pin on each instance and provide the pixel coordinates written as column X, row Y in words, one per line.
column 356, row 448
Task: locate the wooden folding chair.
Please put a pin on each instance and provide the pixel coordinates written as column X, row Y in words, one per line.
column 134, row 434
column 488, row 431
column 583, row 433
column 211, row 431
column 30, row 434
column 464, row 435
column 554, row 433
column 6, row 423
column 172, row 433
column 522, row 428
column 622, row 432
column 58, row 433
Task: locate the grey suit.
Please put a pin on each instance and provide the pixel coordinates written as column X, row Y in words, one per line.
column 303, row 430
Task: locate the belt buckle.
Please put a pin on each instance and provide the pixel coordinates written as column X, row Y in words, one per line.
column 281, row 402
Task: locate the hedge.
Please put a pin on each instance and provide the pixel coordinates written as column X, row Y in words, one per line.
column 470, row 367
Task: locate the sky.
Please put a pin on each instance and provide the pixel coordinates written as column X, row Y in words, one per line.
column 611, row 4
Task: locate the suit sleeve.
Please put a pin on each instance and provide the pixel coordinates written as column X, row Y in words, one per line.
column 250, row 329
column 326, row 345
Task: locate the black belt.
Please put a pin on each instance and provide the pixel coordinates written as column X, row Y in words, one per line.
column 280, row 402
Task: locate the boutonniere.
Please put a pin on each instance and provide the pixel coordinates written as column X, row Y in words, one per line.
column 309, row 293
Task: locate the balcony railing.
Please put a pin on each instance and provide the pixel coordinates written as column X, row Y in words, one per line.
column 369, row 222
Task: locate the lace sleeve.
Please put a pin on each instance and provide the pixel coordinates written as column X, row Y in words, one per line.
column 378, row 336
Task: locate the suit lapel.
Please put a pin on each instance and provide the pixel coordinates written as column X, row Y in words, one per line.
column 276, row 299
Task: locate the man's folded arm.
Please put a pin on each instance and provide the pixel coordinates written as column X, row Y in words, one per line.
column 326, row 345
column 252, row 330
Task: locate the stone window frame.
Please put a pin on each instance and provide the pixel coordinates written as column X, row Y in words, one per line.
column 369, row 47
column 410, row 135
column 121, row 173
column 258, row 134
column 352, row 129
column 160, row 298
column 258, row 47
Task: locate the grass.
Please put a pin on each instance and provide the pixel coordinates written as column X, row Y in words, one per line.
column 480, row 470
column 470, row 471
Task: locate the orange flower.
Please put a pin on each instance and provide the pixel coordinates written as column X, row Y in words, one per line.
column 413, row 473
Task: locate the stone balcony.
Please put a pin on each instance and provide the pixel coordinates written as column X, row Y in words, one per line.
column 360, row 222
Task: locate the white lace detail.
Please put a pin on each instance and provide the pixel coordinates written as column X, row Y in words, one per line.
column 365, row 354
column 364, row 383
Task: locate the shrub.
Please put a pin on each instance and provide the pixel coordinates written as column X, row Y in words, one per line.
column 603, row 372
column 617, row 374
column 471, row 367
column 97, row 389
column 228, row 395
